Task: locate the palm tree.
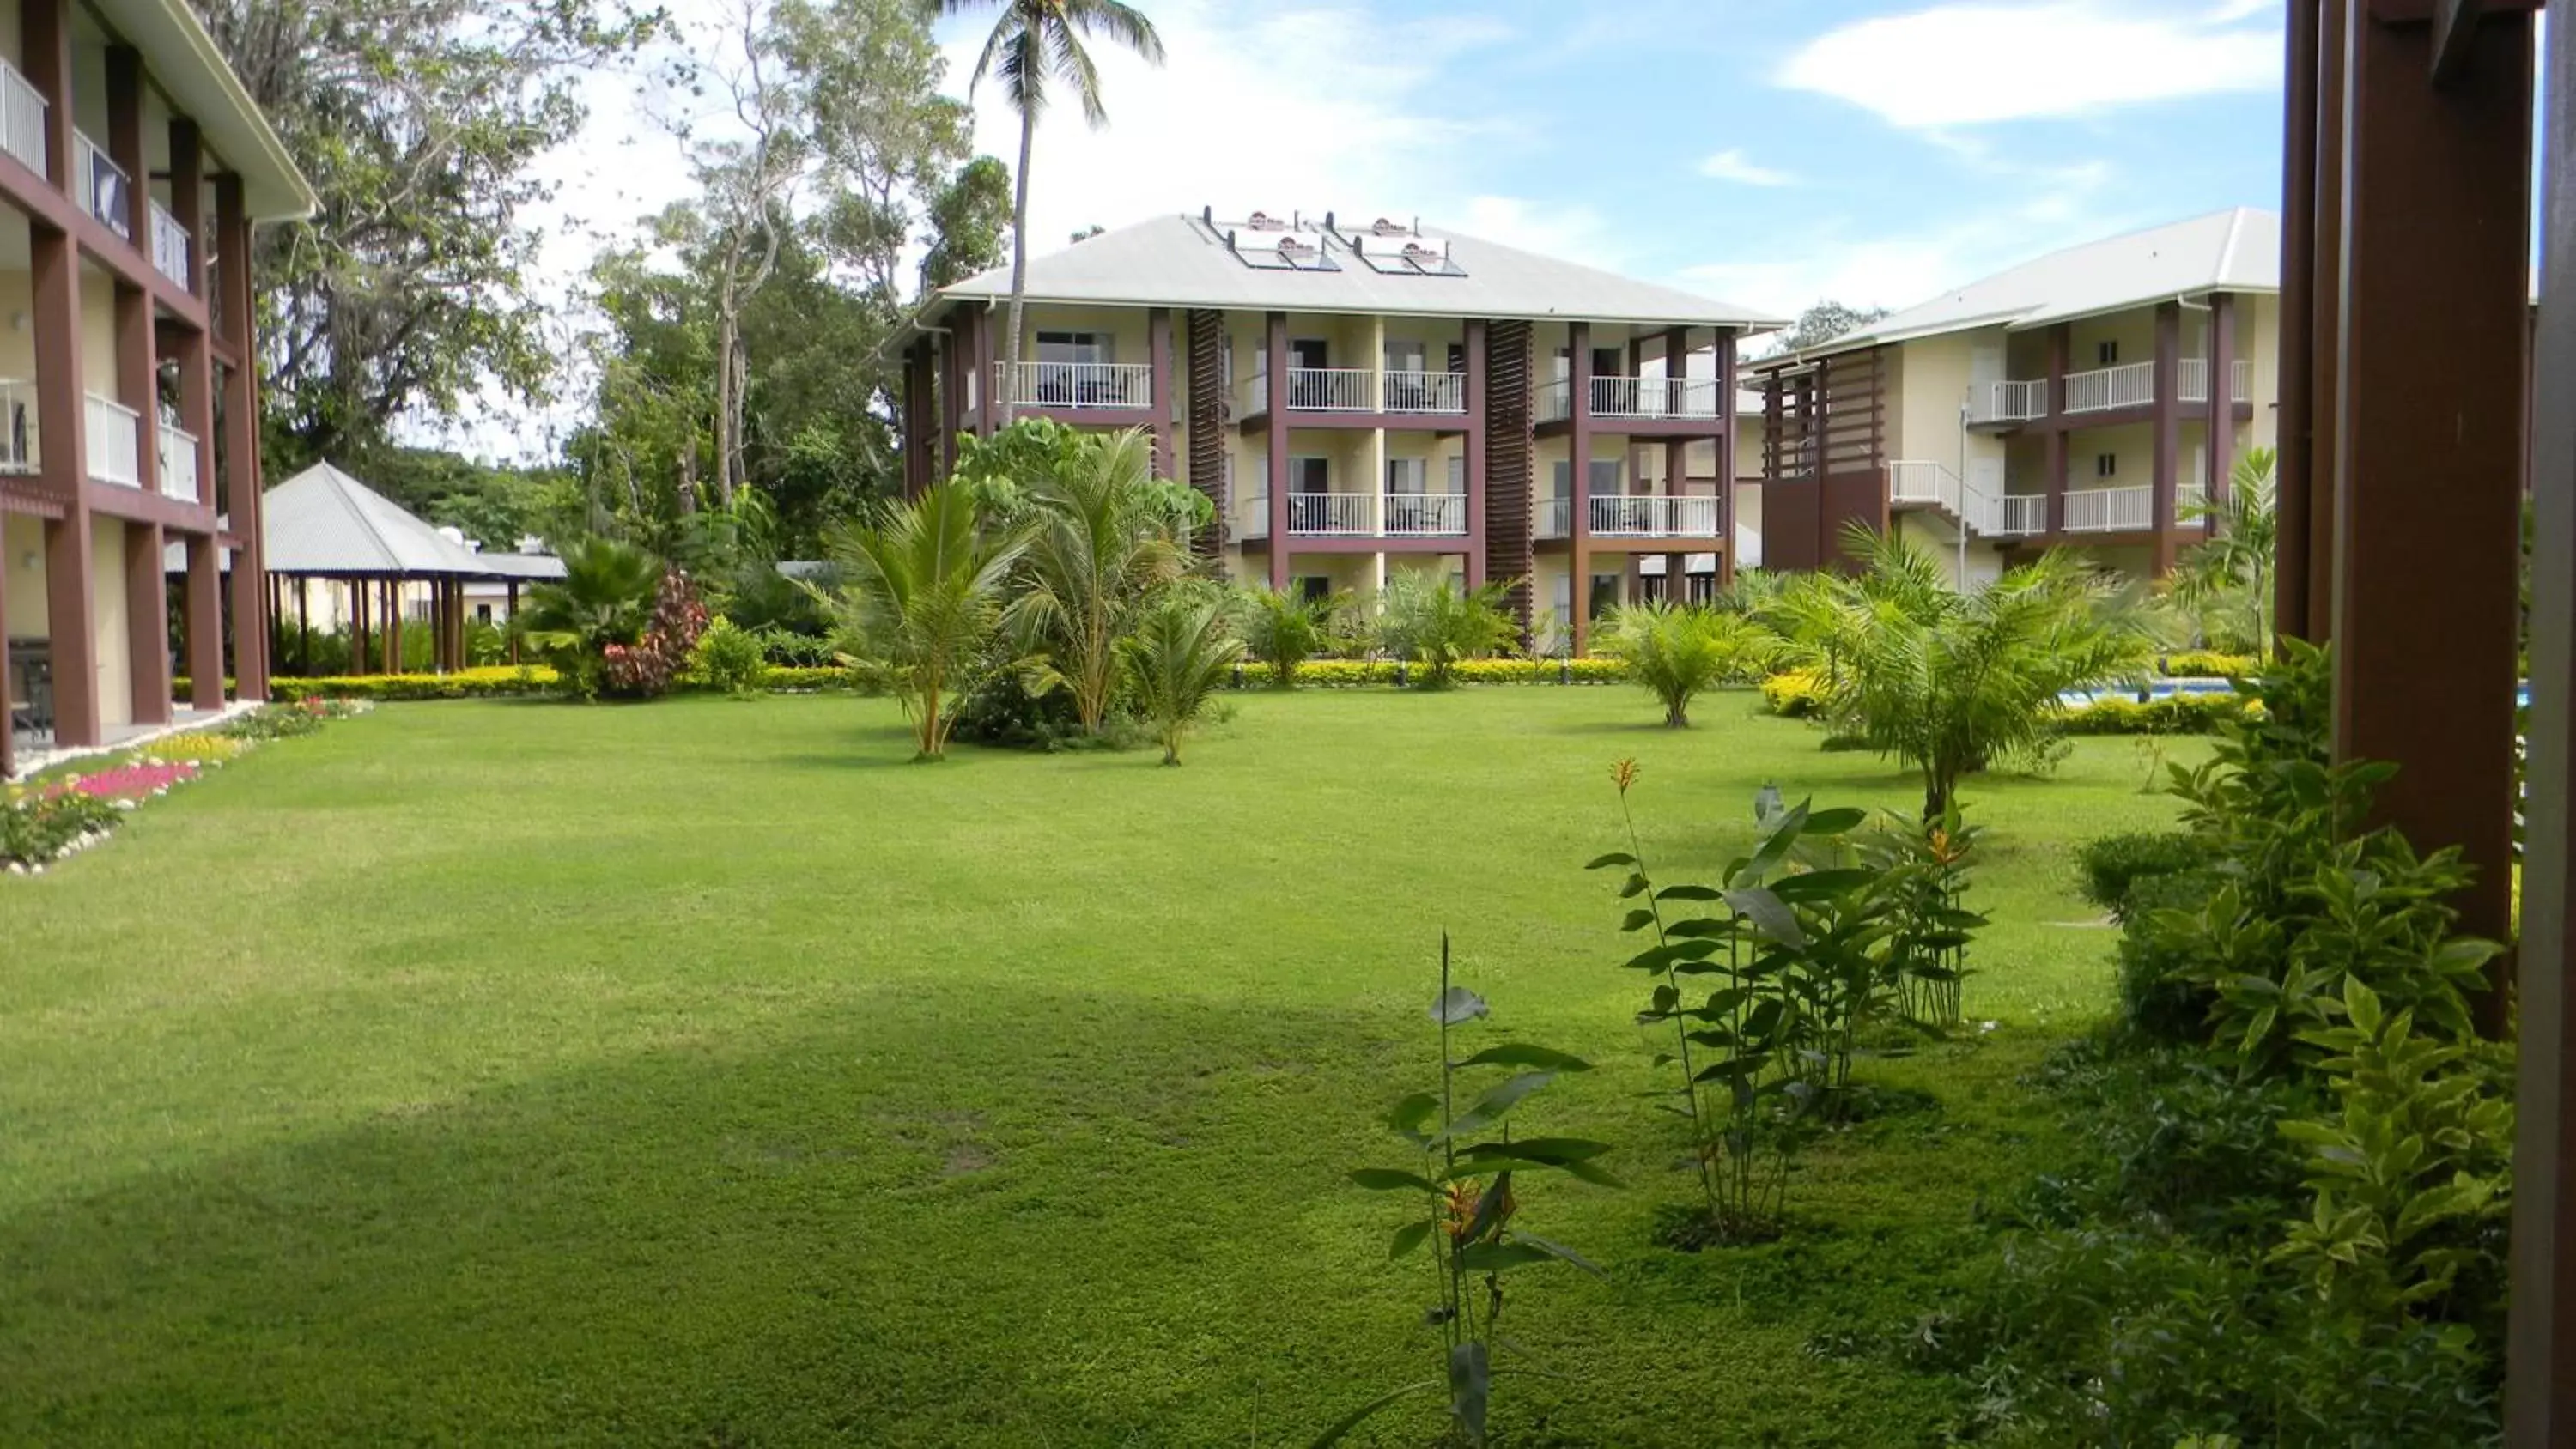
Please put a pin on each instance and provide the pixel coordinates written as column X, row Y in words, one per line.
column 2237, row 558
column 1104, row 536
column 1678, row 650
column 1284, row 629
column 605, row 597
column 1438, row 624
column 1179, row 655
column 1033, row 43
column 923, row 598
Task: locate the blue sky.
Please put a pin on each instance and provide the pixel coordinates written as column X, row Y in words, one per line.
column 1769, row 152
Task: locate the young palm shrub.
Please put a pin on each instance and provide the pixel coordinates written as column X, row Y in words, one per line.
column 2231, row 571
column 1950, row 682
column 922, row 601
column 1179, row 655
column 1103, row 537
column 1437, row 624
column 605, row 598
column 1284, row 629
column 1678, row 650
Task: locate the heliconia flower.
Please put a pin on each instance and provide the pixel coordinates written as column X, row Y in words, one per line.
column 1624, row 774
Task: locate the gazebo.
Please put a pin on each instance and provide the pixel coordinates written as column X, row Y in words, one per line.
column 374, row 559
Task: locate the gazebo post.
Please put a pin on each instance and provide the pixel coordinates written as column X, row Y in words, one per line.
column 511, row 625
column 393, row 625
column 304, row 626
column 357, row 625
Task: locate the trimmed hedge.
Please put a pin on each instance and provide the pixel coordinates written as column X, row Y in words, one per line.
column 2206, row 664
column 2112, row 864
column 507, row 682
column 1794, row 693
column 2172, row 714
column 1353, row 673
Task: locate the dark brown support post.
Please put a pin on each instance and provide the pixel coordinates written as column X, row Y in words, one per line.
column 147, row 623
column 1510, row 465
column 2325, row 333
column 2540, row 1342
column 125, row 139
column 2219, row 433
column 512, row 623
column 1578, row 470
column 1676, row 450
column 241, row 447
column 1472, row 448
column 45, row 37
column 8, row 732
column 989, row 411
column 188, row 197
column 2053, row 444
column 1158, row 350
column 1726, row 439
column 54, row 264
column 952, row 407
column 303, row 626
column 909, row 416
column 1274, row 346
column 138, row 381
column 2165, row 416
column 204, row 608
column 2296, row 346
column 393, row 626
column 2431, row 324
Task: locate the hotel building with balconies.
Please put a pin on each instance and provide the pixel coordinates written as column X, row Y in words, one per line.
column 1359, row 398
column 134, row 166
column 2089, row 398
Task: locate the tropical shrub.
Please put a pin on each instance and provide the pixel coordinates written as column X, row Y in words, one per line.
column 1354, row 673
column 38, row 828
column 646, row 668
column 793, row 649
column 923, row 602
column 2167, row 714
column 1795, row 693
column 1283, row 629
column 2231, row 569
column 1466, row 1210
column 1437, row 625
column 1678, row 650
column 1178, row 656
column 607, row 597
column 2110, row 864
column 2207, row 664
column 730, row 659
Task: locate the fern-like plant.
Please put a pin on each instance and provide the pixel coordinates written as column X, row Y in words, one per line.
column 1179, row 655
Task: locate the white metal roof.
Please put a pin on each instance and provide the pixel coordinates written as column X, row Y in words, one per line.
column 322, row 521
column 1184, row 261
column 2226, row 251
column 186, row 62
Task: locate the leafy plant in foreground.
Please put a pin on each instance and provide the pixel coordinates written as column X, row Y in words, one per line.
column 1284, row 629
column 923, row 601
column 1467, row 1209
column 1678, row 650
column 1178, row 655
column 1435, row 625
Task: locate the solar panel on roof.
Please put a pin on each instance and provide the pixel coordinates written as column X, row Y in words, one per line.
column 1398, row 251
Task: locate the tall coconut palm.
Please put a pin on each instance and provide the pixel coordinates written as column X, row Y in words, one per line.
column 1104, row 535
column 2237, row 558
column 923, row 600
column 1034, row 44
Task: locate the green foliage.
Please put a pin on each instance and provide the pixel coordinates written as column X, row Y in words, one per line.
column 1827, row 320
column 1437, row 624
column 2207, row 664
column 968, row 219
column 42, row 826
column 2165, row 714
column 923, row 602
column 1356, row 673
column 2110, row 864
column 1471, row 1225
column 1284, row 629
column 605, row 598
column 731, row 659
column 1678, row 650
column 1795, row 693
column 1179, row 654
column 2232, row 568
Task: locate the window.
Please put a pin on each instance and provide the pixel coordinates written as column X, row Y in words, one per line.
column 1077, row 347
column 1457, row 357
column 1404, row 356
column 2106, row 465
column 1310, row 475
column 2107, row 353
column 482, row 613
column 1404, row 475
column 1458, row 474
column 1315, row 588
column 1605, row 479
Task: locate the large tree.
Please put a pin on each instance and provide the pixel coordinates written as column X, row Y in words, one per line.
column 419, row 124
column 1826, row 321
column 1036, row 44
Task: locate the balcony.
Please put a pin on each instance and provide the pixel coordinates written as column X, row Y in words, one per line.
column 2130, row 385
column 178, row 459
column 2007, row 402
column 2104, row 389
column 1426, row 515
column 1426, row 392
column 2020, row 515
column 2193, row 385
column 1634, row 399
column 17, row 425
column 1074, row 385
column 115, row 441
column 101, row 187
column 1364, row 390
column 170, row 243
column 1636, row 515
column 1361, row 515
column 22, row 121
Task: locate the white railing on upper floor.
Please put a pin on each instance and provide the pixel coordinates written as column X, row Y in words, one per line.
column 17, row 425
column 1425, row 515
column 100, row 186
column 2192, row 382
column 2189, row 497
column 1552, row 401
column 1330, row 514
column 1654, row 516
column 178, row 460
column 2110, row 510
column 1654, row 397
column 1555, row 517
column 115, row 436
column 1332, row 390
column 170, row 244
column 2019, row 515
column 1074, row 384
column 22, row 121
column 2008, row 402
column 1426, row 392
column 2131, row 384
column 1252, row 519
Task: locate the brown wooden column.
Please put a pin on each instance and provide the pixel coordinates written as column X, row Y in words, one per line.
column 147, row 623
column 393, row 626
column 1510, row 466
column 54, row 264
column 510, row 626
column 8, row 732
column 2220, row 431
column 1158, row 352
column 2053, row 443
column 1578, row 471
column 1676, row 450
column 1726, row 441
column 2540, row 1348
column 1472, row 449
column 951, row 408
column 203, row 608
column 2165, row 423
column 125, row 140
column 45, row 38
column 2296, row 345
column 188, row 196
column 989, row 411
column 138, row 381
column 241, row 448
column 2428, row 427
column 1274, row 347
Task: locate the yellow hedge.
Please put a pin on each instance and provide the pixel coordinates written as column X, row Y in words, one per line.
column 1795, row 693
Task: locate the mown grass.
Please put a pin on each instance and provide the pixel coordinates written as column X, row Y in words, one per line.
column 705, row 1073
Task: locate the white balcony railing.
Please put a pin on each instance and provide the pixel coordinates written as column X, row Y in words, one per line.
column 2008, row 402
column 178, row 459
column 2019, row 515
column 1075, row 384
column 1918, row 480
column 1425, row 515
column 1426, row 392
column 1552, row 401
column 2110, row 510
column 22, row 121
column 1332, row 390
column 169, row 245
column 1654, row 397
column 101, row 186
column 2130, row 385
column 17, row 425
column 1253, row 519
column 1330, row 514
column 2192, row 385
column 1654, row 516
column 1555, row 517
column 115, row 441
column 2189, row 497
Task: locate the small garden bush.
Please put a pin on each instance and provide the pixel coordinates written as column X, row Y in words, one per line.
column 1795, row 693
column 2207, row 664
column 2113, row 862
column 40, row 827
column 1353, row 673
column 2172, row 714
column 730, row 659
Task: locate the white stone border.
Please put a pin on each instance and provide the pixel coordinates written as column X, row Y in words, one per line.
column 29, row 764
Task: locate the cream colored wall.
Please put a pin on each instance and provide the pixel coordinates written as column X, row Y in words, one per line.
column 13, row 45
column 2262, row 342
column 17, row 325
column 22, row 541
column 1130, row 330
column 108, row 641
column 89, row 76
column 1930, row 384
column 2134, row 330
column 1749, row 433
column 2134, row 445
column 1435, row 450
column 98, row 332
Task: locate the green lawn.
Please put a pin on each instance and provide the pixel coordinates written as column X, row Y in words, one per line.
column 705, row 1073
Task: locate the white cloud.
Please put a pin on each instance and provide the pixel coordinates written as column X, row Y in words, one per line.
column 1967, row 64
column 1733, row 165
